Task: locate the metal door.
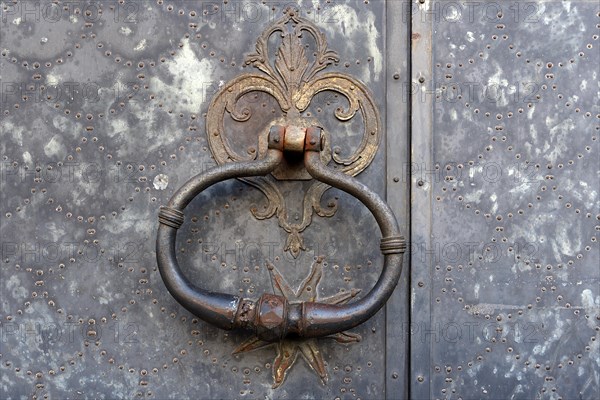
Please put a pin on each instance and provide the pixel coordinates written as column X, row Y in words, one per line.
column 105, row 113
column 485, row 148
column 505, row 261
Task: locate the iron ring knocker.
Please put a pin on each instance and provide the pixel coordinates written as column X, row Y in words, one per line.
column 272, row 317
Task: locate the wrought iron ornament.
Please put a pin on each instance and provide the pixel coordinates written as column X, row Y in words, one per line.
column 294, row 147
column 288, row 350
column 293, row 80
column 274, row 318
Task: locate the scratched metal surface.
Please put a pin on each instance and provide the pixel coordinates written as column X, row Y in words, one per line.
column 102, row 120
column 507, row 308
column 508, row 286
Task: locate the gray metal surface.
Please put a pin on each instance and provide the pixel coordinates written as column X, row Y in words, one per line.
column 102, row 119
column 505, row 232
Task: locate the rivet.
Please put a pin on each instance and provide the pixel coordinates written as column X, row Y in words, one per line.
column 420, row 379
column 396, row 76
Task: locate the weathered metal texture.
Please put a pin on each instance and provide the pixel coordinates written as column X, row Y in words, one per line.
column 102, row 118
column 397, row 153
column 83, row 311
column 505, row 170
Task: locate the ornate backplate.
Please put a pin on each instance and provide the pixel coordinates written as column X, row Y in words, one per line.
column 293, row 78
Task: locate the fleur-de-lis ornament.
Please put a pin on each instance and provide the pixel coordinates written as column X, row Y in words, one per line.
column 292, row 78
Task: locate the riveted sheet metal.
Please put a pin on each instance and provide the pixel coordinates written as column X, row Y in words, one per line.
column 397, row 156
column 420, row 198
column 505, row 249
column 102, row 117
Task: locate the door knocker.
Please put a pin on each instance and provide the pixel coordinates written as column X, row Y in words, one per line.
column 288, row 148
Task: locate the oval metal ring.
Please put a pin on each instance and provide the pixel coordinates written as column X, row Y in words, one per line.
column 271, row 317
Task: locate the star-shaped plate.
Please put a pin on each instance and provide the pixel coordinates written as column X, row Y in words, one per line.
column 289, row 349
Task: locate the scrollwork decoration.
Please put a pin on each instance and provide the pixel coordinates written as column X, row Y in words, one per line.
column 293, row 79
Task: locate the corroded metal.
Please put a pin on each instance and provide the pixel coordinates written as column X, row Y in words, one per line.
column 513, row 95
column 288, row 350
column 293, row 79
column 294, row 139
column 530, row 332
column 273, row 317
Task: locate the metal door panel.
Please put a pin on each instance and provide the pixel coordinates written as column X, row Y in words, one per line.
column 505, row 254
column 84, row 311
column 103, row 112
